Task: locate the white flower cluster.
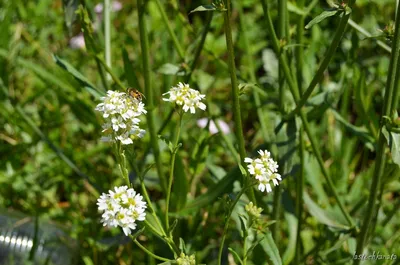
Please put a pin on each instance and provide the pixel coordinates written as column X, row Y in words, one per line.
column 121, row 112
column 264, row 169
column 122, row 207
column 190, row 98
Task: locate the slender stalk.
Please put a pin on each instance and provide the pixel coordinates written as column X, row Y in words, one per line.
column 107, row 37
column 200, row 46
column 144, row 43
column 325, row 62
column 299, row 199
column 110, row 72
column 164, row 17
column 299, row 52
column 295, row 93
column 171, row 173
column 282, row 35
column 226, row 226
column 192, row 67
column 245, row 250
column 235, row 91
column 251, row 71
column 393, row 84
column 149, row 252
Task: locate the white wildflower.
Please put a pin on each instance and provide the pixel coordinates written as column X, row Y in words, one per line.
column 121, row 113
column 184, row 96
column 122, row 207
column 264, row 169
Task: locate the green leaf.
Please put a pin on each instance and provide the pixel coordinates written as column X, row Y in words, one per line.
column 70, row 7
column 321, row 17
column 270, row 248
column 295, row 9
column 362, row 132
column 138, row 233
column 181, row 186
column 75, row 73
column 251, row 248
column 130, row 74
column 235, row 255
column 322, row 215
column 393, row 140
column 167, row 142
column 291, row 246
column 172, row 227
column 182, row 245
column 203, row 8
column 243, row 226
column 223, row 186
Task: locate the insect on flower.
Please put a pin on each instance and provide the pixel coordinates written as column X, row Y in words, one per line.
column 134, row 93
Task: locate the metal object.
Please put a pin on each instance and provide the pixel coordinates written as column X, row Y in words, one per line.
column 17, row 242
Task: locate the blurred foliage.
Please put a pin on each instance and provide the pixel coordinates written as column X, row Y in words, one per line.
column 54, row 165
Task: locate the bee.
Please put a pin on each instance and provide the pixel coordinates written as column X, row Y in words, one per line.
column 134, row 93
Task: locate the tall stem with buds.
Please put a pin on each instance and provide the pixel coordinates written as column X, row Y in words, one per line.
column 389, row 105
column 144, row 43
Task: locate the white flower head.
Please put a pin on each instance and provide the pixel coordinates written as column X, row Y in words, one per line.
column 264, row 169
column 122, row 207
column 184, row 96
column 121, row 113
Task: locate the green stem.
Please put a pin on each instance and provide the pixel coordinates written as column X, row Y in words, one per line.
column 107, row 30
column 235, row 91
column 300, row 48
column 325, row 62
column 144, row 43
column 164, row 17
column 149, row 252
column 171, row 173
column 226, row 226
column 113, row 76
column 393, row 84
column 251, row 71
column 200, row 46
column 299, row 199
column 295, row 93
column 245, row 250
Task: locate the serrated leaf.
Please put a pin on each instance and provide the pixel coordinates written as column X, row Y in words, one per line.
column 203, row 8
column 321, row 17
